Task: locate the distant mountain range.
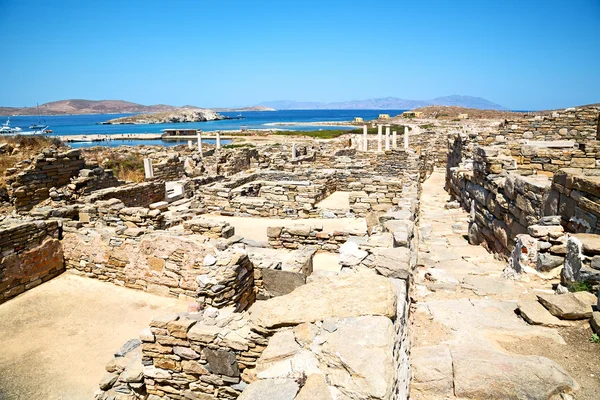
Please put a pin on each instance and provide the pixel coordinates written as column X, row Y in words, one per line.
column 386, row 103
column 79, row 106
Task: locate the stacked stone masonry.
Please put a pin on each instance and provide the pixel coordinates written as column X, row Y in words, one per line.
column 31, row 253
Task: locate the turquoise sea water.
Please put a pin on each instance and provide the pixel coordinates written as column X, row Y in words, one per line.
column 89, row 124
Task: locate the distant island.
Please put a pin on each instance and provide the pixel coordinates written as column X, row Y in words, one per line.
column 245, row 109
column 167, row 117
column 80, row 106
column 386, row 103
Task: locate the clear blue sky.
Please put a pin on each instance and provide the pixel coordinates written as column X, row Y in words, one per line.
column 523, row 54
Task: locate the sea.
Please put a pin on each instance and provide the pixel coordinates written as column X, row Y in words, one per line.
column 300, row 120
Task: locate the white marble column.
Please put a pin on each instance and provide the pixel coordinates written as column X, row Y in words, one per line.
column 406, row 138
column 148, row 169
column 218, row 140
column 379, row 137
column 365, row 142
column 394, row 140
column 359, row 143
column 190, row 144
column 199, row 143
column 294, row 154
column 387, row 137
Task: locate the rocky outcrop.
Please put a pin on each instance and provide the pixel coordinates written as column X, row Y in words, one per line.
column 168, row 117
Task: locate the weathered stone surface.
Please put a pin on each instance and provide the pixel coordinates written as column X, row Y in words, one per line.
column 281, row 345
column 569, row 306
column 359, row 356
column 573, row 261
column 590, row 242
column 314, row 388
column 348, row 296
column 483, row 374
column 431, row 371
column 351, row 255
column 535, row 314
column 203, row 333
column 547, row 261
column 108, row 380
column 392, row 262
column 222, row 362
column 270, row 389
column 595, row 322
column 279, row 283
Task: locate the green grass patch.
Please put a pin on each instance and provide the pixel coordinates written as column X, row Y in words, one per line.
column 595, row 338
column 334, row 133
column 238, row 145
column 584, row 286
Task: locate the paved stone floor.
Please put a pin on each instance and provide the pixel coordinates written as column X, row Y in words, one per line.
column 256, row 228
column 56, row 339
column 464, row 319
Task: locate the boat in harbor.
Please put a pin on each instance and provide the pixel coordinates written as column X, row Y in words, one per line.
column 6, row 129
column 39, row 126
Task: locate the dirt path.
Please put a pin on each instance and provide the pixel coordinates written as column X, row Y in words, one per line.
column 468, row 342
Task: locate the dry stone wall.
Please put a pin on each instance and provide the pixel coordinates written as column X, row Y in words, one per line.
column 29, row 183
column 132, row 195
column 31, row 253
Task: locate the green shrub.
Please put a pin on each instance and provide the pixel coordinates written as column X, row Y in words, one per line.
column 583, row 286
column 595, row 338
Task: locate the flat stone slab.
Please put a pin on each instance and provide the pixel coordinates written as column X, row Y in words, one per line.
column 271, row 389
column 342, row 297
column 431, row 372
column 590, row 242
column 535, row 314
column 485, row 374
column 570, row 305
column 484, row 285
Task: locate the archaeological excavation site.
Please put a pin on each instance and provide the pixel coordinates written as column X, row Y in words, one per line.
column 426, row 258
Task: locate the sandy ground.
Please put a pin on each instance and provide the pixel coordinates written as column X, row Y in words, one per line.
column 335, row 201
column 57, row 338
column 256, row 228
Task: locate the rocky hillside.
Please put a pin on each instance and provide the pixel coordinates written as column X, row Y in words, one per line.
column 386, row 103
column 451, row 112
column 78, row 106
column 169, row 117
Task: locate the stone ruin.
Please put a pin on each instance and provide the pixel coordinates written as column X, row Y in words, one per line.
column 263, row 321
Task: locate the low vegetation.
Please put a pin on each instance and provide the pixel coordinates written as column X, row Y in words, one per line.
column 584, row 286
column 128, row 168
column 595, row 338
column 334, row 133
column 14, row 149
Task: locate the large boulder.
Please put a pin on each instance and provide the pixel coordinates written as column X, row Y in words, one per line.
column 570, row 305
column 343, row 297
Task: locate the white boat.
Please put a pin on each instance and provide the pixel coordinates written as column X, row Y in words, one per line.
column 8, row 130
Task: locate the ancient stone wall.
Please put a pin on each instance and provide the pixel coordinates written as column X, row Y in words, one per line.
column 29, row 183
column 209, row 228
column 114, row 213
column 169, row 169
column 162, row 263
column 132, row 195
column 374, row 194
column 31, row 253
column 578, row 124
column 298, row 235
column 575, row 196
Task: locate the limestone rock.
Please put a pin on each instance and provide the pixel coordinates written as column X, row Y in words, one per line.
column 595, row 322
column 569, row 306
column 347, row 296
column 270, row 389
column 393, row 263
column 359, row 357
column 351, row 255
column 222, row 362
column 431, row 371
column 547, row 261
column 314, row 388
column 590, row 242
column 484, row 374
column 535, row 314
